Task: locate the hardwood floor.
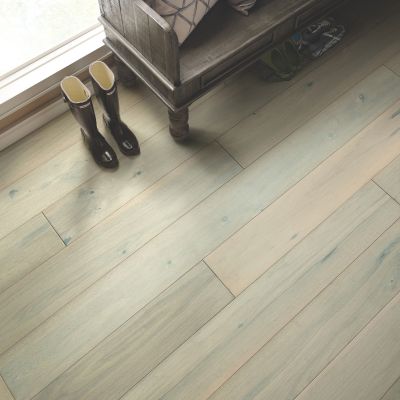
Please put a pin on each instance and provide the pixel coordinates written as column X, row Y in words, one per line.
column 261, row 260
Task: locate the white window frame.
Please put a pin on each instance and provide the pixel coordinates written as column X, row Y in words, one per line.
column 21, row 88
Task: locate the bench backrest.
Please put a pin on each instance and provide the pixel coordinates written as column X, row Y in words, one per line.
column 149, row 33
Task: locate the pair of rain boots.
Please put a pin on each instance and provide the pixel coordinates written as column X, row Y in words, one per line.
column 79, row 100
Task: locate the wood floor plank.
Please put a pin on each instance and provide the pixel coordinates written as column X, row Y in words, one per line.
column 42, row 292
column 26, row 248
column 27, row 197
column 368, row 366
column 223, row 345
column 37, row 148
column 268, row 125
column 287, row 364
column 394, row 63
column 389, row 178
column 258, row 245
column 100, row 196
column 132, row 351
column 4, row 392
column 146, row 118
column 128, row 97
column 207, row 225
column 393, row 393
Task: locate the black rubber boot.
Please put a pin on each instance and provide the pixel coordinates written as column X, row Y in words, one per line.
column 78, row 98
column 106, row 91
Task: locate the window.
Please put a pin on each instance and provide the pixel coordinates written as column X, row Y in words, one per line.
column 31, row 29
column 42, row 41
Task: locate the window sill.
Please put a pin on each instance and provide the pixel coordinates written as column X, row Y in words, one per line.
column 32, row 88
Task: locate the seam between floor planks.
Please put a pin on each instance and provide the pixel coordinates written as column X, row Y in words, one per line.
column 51, row 250
column 370, row 324
column 217, row 277
column 304, row 308
column 47, row 259
column 396, row 383
column 377, row 184
column 391, row 69
column 235, row 140
column 5, row 391
column 334, row 99
column 52, row 227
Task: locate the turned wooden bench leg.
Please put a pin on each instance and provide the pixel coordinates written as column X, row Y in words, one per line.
column 125, row 74
column 178, row 124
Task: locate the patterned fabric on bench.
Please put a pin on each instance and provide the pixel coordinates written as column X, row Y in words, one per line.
column 182, row 15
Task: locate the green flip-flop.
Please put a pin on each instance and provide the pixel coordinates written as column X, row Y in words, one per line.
column 292, row 55
column 278, row 62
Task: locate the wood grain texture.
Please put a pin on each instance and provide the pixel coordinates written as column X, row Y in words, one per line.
column 99, row 197
column 287, row 221
column 368, row 366
column 37, row 148
column 26, row 248
column 389, row 178
column 111, row 10
column 152, row 37
column 46, row 289
column 268, row 125
column 127, row 355
column 394, row 64
column 297, row 354
column 393, row 393
column 27, row 197
column 206, row 360
column 4, row 392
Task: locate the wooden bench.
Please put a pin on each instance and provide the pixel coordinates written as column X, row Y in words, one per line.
column 224, row 43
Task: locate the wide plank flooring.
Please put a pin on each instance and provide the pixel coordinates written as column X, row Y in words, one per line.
column 260, row 260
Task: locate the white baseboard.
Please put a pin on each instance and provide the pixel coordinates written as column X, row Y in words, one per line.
column 32, row 123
